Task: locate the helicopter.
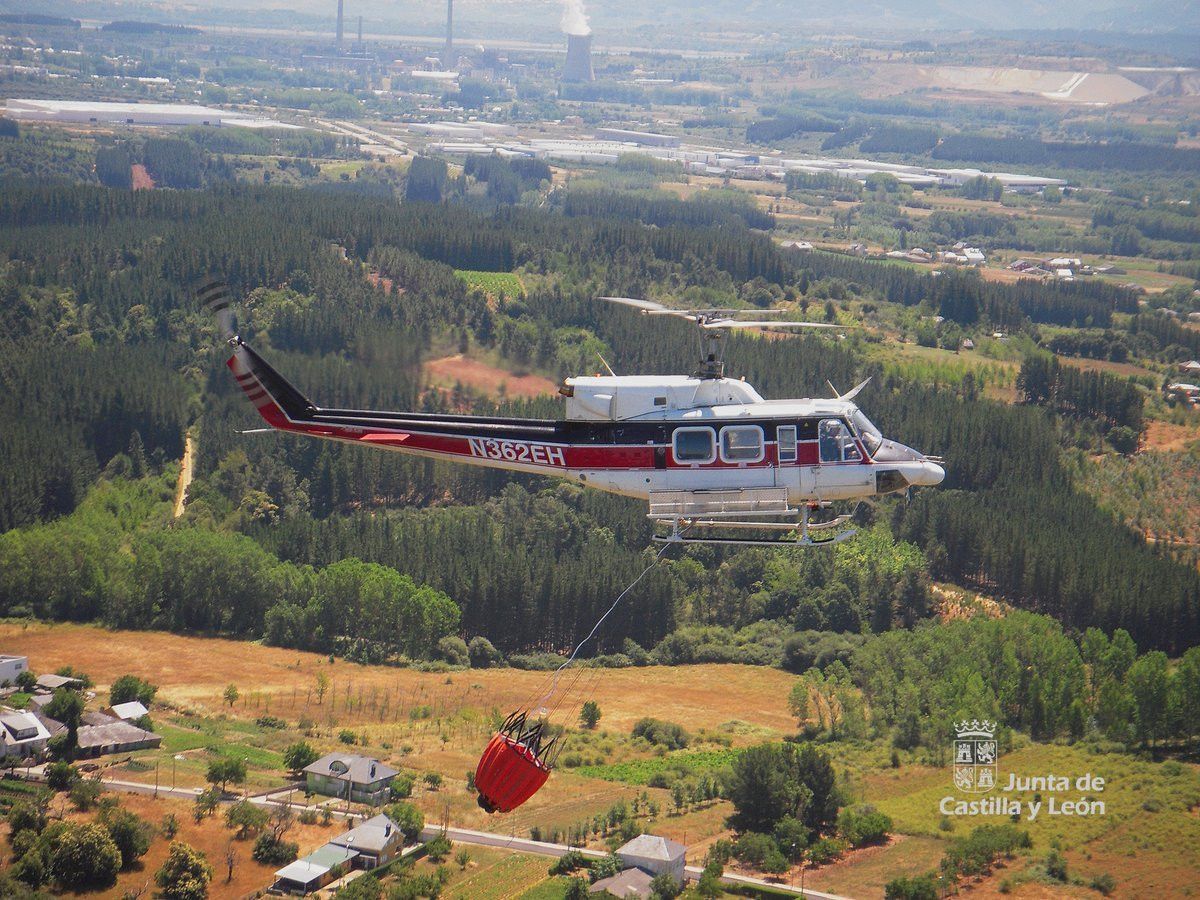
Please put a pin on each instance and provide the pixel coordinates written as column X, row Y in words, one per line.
column 706, row 452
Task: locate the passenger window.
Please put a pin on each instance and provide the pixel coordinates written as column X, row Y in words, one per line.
column 837, row 444
column 695, row 445
column 742, row 443
column 785, row 435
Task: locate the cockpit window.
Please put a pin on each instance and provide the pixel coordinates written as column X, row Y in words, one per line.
column 870, row 436
column 836, row 442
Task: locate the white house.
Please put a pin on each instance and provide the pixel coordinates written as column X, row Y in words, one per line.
column 654, row 855
column 129, row 712
column 377, row 841
column 11, row 667
column 22, row 735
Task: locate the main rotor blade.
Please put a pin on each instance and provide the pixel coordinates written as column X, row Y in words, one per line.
column 646, row 305
column 718, row 313
column 853, row 392
column 734, row 323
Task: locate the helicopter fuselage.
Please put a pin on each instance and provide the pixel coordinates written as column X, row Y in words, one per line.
column 639, row 436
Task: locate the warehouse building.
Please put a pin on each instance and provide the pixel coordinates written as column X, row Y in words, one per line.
column 101, row 113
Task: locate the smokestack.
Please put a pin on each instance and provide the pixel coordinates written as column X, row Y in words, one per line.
column 448, row 55
column 360, row 43
column 339, row 25
column 579, row 58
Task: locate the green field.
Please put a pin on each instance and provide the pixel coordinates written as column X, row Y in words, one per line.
column 642, row 770
column 494, row 284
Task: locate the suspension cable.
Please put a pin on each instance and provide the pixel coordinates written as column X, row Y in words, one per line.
column 621, row 596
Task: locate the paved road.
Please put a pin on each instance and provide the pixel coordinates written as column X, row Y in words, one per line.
column 478, row 838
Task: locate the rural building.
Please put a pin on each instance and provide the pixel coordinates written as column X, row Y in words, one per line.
column 654, row 855
column 1191, row 367
column 365, row 779
column 644, row 138
column 113, row 736
column 630, row 883
column 128, row 712
column 54, row 682
column 1186, row 393
column 314, row 871
column 22, row 735
column 377, row 842
column 11, row 667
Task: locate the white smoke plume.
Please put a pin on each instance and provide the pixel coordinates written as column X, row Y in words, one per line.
column 574, row 18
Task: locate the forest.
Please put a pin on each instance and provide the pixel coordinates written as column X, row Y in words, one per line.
column 524, row 562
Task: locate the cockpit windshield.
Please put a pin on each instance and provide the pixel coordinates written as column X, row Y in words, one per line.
column 870, row 436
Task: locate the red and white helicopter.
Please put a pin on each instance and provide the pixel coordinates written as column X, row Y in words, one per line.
column 707, row 452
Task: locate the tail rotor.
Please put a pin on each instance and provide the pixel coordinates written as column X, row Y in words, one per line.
column 215, row 298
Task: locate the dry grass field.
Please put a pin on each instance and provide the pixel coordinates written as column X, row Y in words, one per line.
column 479, row 376
column 211, row 837
column 438, row 722
column 193, row 672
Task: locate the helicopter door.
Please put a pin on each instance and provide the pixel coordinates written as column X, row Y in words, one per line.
column 786, row 473
column 840, row 474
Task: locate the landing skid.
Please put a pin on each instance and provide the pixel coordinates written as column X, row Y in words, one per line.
column 792, row 534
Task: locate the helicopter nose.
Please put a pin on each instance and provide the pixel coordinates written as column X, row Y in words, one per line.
column 928, row 474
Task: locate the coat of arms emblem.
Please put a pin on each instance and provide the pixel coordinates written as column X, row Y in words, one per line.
column 975, row 753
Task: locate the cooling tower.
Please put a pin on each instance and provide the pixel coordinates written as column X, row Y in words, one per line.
column 579, row 58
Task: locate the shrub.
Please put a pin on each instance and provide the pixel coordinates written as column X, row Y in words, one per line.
column 454, row 650
column 438, row 848
column 791, row 836
column 246, row 817
column 589, row 714
column 84, row 794
column 568, row 863
column 408, row 819
column 185, row 874
column 605, row 868
column 299, row 755
column 864, row 825
column 401, row 787
column 753, row 848
column 918, row 887
column 1104, row 884
column 60, row 776
column 346, row 736
column 666, row 886
column 1056, row 865
column 483, row 654
column 128, row 688
column 84, row 856
column 662, row 734
column 826, row 850
column 274, row 851
column 270, row 722
column 131, row 835
column 26, row 816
